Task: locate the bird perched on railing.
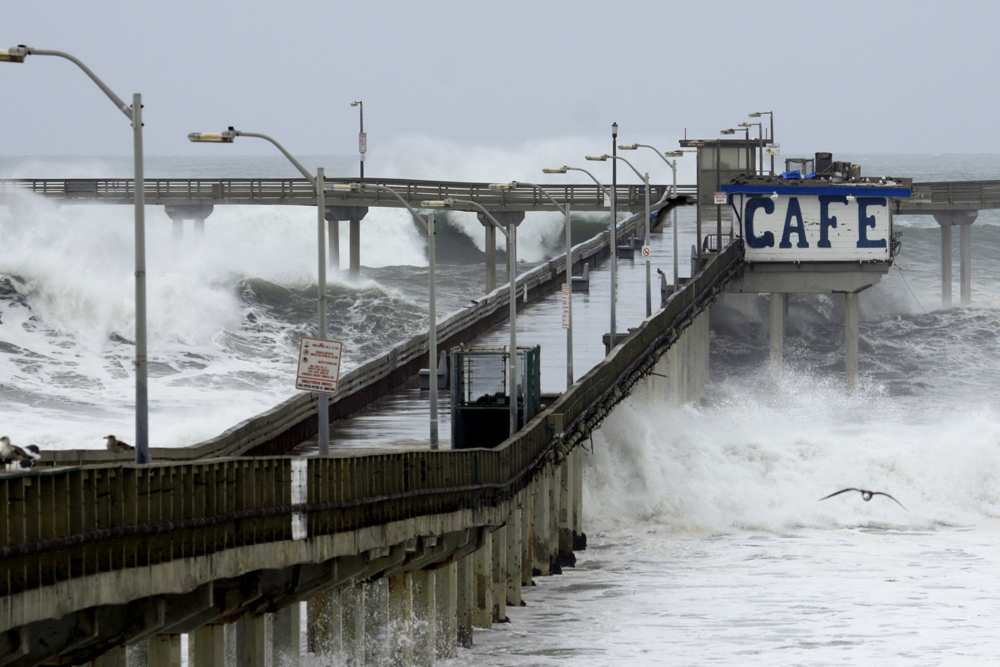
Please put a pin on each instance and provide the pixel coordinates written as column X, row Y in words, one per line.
column 113, row 444
column 10, row 453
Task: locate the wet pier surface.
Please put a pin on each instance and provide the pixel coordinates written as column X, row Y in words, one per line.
column 401, row 419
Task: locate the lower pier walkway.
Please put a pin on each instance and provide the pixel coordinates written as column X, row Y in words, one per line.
column 401, row 418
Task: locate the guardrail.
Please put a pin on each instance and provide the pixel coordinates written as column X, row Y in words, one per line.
column 951, row 195
column 62, row 524
column 300, row 192
column 282, row 428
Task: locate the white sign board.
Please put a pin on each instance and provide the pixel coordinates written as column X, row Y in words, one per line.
column 300, row 496
column 719, row 198
column 319, row 365
column 565, row 310
column 816, row 228
column 362, row 143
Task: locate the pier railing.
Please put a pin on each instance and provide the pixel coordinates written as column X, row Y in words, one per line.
column 67, row 523
column 300, row 192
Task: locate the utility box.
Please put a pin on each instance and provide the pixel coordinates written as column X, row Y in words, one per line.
column 480, row 400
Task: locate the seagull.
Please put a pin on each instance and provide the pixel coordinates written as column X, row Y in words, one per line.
column 113, row 444
column 9, row 453
column 866, row 495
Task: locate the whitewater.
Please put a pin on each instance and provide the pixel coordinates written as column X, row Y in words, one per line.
column 707, row 543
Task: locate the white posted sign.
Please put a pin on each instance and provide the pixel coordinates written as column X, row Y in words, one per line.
column 816, row 228
column 319, row 365
column 565, row 305
column 719, row 198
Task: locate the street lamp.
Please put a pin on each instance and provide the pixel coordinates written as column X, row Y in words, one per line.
column 760, row 142
column 613, row 232
column 569, row 262
column 319, row 184
column 770, row 114
column 645, row 179
column 673, row 188
column 362, row 137
column 134, row 114
column 510, row 231
column 428, row 223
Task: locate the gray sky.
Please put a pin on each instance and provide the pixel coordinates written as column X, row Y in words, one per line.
column 890, row 76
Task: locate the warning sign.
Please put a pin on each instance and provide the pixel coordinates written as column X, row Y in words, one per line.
column 719, row 198
column 319, row 365
column 647, row 251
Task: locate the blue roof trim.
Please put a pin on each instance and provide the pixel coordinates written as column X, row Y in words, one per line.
column 846, row 189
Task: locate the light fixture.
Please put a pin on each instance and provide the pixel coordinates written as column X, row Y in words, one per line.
column 437, row 203
column 614, row 130
column 503, row 186
column 356, row 103
column 555, row 170
column 597, row 158
column 673, row 153
column 14, row 55
column 629, row 147
column 226, row 137
column 345, row 187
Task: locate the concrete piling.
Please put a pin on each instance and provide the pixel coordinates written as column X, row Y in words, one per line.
column 482, row 614
column 424, row 622
column 527, row 518
column 401, row 618
column 116, row 657
column 555, row 495
column 251, row 641
column 446, row 612
column 851, row 334
column 207, row 646
column 541, row 526
column 514, row 551
column 323, row 625
column 286, row 635
column 500, row 575
column 465, row 599
column 965, row 266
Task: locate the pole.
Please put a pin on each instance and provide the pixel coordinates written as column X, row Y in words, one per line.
column 361, row 115
column 673, row 169
column 760, row 147
column 141, row 367
column 614, row 231
column 718, row 208
column 771, row 116
column 569, row 299
column 432, row 363
column 512, row 352
column 649, row 287
column 322, row 400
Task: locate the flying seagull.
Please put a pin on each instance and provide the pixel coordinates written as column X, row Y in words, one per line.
column 866, row 495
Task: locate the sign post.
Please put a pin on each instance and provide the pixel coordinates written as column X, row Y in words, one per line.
column 319, row 365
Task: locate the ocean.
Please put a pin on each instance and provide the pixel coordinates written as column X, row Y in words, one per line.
column 707, row 544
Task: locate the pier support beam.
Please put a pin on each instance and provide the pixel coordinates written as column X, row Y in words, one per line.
column 285, row 635
column 851, row 335
column 555, row 496
column 527, row 518
column 579, row 537
column 323, row 627
column 964, row 220
column 332, row 243
column 113, row 658
column 178, row 213
column 540, row 528
column 401, row 618
column 465, row 599
column 566, row 496
column 207, row 646
column 514, row 550
column 482, row 613
column 500, row 559
column 424, row 623
column 776, row 329
column 353, row 215
column 446, row 612
column 370, row 632
column 251, row 641
column 965, row 267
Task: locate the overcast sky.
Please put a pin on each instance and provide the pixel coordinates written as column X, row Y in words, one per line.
column 871, row 77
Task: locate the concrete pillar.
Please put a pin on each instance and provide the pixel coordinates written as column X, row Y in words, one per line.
column 164, row 651
column 113, row 658
column 540, row 529
column 851, row 334
column 465, row 599
column 424, row 626
column 446, row 613
column 323, row 633
column 207, row 646
column 965, row 266
column 776, row 329
column 372, row 633
column 286, row 635
column 178, row 213
column 178, row 229
column 333, row 243
column 579, row 537
column 555, row 495
column 482, row 615
column 491, row 257
column 513, row 530
column 354, row 239
column 566, row 497
column 527, row 517
column 251, row 641
column 199, row 227
column 401, row 617
column 945, row 260
column 500, row 575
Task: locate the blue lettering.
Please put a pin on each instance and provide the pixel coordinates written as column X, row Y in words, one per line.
column 794, row 211
column 765, row 240
column 865, row 221
column 825, row 219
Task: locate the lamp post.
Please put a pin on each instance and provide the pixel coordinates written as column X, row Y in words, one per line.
column 510, row 231
column 319, row 184
column 612, row 235
column 770, row 114
column 568, row 286
column 134, row 114
column 760, row 143
column 614, row 231
column 362, row 137
column 428, row 223
column 673, row 188
column 645, row 179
